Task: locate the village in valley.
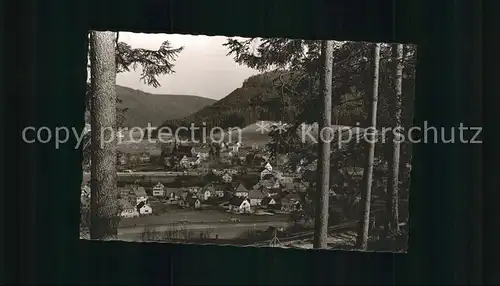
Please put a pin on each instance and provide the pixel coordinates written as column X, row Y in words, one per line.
column 273, row 184
column 207, row 185
column 222, row 177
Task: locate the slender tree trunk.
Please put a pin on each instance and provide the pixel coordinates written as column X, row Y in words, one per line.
column 362, row 238
column 104, row 197
column 393, row 164
column 323, row 185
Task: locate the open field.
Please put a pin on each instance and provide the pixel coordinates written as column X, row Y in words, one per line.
column 203, row 216
column 221, row 230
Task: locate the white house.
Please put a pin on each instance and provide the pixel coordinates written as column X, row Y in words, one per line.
column 159, row 190
column 144, row 209
column 268, row 166
column 240, row 205
column 204, row 194
column 184, row 162
column 128, row 210
column 227, row 178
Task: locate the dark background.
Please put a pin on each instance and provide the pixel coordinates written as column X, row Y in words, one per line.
column 47, row 74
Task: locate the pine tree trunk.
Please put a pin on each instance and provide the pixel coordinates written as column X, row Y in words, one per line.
column 323, row 185
column 104, row 197
column 393, row 164
column 362, row 238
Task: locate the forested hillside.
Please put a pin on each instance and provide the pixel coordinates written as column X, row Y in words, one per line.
column 286, row 95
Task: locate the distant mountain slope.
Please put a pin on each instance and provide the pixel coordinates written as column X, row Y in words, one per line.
column 256, row 100
column 156, row 108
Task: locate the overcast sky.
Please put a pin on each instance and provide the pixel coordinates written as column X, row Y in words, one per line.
column 202, row 68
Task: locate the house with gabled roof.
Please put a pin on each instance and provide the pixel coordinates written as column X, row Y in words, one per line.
column 240, row 205
column 144, row 209
column 269, row 202
column 159, row 190
column 205, row 193
column 256, row 196
column 127, row 209
column 192, row 202
column 140, row 194
column 240, row 191
column 268, row 166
